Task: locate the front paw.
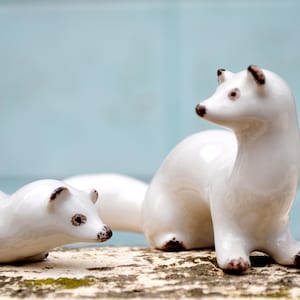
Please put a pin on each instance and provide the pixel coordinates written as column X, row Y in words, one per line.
column 236, row 265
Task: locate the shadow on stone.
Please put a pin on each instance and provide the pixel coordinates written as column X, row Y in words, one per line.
column 261, row 260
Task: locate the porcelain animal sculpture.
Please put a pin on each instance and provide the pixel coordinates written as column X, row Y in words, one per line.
column 232, row 189
column 46, row 214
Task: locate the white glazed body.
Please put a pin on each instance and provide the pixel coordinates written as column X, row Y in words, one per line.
column 32, row 223
column 177, row 204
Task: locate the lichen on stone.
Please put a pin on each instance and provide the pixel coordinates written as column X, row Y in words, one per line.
column 63, row 282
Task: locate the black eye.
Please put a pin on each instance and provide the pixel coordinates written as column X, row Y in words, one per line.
column 234, row 94
column 78, row 219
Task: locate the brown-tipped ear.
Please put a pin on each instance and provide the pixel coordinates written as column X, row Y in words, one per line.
column 223, row 75
column 257, row 74
column 94, row 196
column 59, row 193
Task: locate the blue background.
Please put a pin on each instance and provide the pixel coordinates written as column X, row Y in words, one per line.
column 111, row 86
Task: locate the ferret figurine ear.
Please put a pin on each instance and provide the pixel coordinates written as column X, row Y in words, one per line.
column 94, row 196
column 59, row 193
column 223, row 75
column 257, row 74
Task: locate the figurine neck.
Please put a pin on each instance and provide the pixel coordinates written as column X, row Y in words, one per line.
column 281, row 131
column 267, row 151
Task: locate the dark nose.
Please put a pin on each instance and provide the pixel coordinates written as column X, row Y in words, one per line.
column 105, row 234
column 200, row 110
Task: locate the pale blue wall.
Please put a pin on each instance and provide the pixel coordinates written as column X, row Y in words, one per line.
column 94, row 86
column 90, row 86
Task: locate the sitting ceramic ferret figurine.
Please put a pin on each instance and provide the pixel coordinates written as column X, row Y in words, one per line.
column 46, row 214
column 232, row 189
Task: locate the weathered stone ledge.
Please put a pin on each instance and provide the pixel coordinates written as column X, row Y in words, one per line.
column 123, row 272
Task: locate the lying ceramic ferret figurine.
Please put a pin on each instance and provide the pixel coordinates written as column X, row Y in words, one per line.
column 46, row 214
column 232, row 189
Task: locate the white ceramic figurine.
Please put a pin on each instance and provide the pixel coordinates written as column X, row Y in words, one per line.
column 46, row 214
column 232, row 189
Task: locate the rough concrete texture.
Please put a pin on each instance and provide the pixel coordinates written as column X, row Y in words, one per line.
column 122, row 272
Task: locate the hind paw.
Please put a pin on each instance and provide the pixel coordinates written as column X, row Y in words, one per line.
column 236, row 265
column 37, row 257
column 173, row 245
column 297, row 259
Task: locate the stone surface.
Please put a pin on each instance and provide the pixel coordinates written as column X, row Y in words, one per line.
column 123, row 272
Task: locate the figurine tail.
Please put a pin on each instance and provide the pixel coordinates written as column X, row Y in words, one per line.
column 120, row 198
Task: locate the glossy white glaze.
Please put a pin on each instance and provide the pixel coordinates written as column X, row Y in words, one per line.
column 177, row 205
column 231, row 189
column 45, row 214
